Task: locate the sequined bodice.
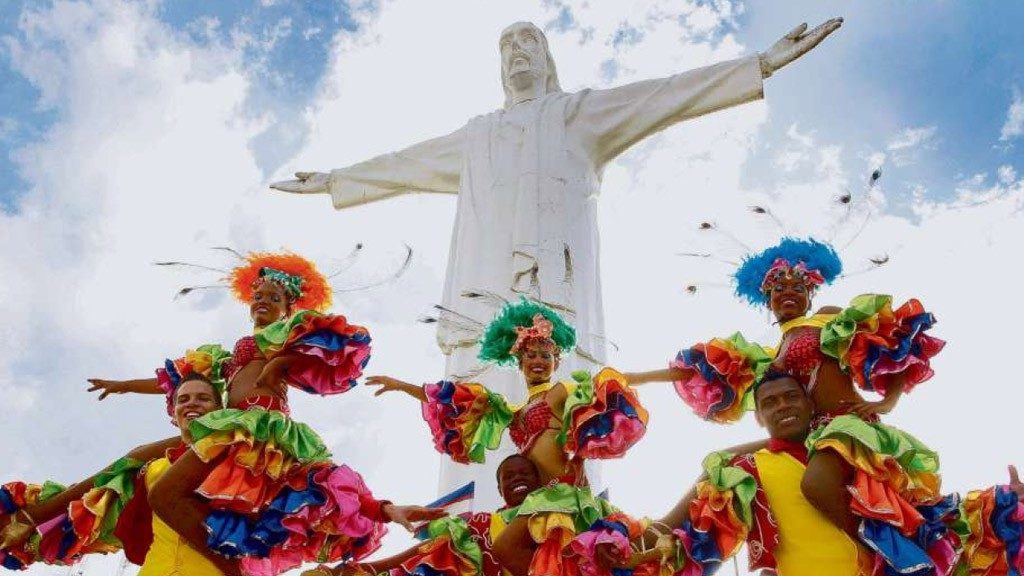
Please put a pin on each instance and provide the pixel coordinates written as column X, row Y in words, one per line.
column 245, row 351
column 529, row 423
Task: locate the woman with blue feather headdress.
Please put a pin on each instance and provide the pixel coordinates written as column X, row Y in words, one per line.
column 874, row 481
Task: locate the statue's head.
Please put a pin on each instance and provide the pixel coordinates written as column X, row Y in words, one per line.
column 526, row 62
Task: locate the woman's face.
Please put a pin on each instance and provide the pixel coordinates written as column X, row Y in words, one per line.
column 269, row 304
column 193, row 399
column 538, row 360
column 788, row 298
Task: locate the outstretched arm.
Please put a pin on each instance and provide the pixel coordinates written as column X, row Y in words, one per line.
column 138, row 386
column 666, row 375
column 430, row 166
column 610, row 121
column 386, row 384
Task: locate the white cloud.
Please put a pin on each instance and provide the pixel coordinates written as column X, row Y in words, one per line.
column 150, row 159
column 1014, row 125
column 906, row 147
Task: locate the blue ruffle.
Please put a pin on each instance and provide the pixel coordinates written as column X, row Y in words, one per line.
column 1004, row 526
column 696, row 360
column 603, row 424
column 234, row 535
column 703, row 549
column 907, row 346
column 906, row 556
column 7, row 504
column 10, row 562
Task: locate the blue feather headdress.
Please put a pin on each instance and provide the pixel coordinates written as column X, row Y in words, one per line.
column 817, row 261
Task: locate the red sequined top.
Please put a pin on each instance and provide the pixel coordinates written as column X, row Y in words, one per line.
column 801, row 355
column 529, row 423
column 245, row 351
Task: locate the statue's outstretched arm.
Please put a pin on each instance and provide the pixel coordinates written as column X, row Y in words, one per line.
column 611, row 120
column 430, row 166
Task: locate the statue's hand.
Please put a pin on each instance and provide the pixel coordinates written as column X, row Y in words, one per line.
column 795, row 44
column 305, row 183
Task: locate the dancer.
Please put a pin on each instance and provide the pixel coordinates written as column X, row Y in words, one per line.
column 258, row 486
column 756, row 499
column 458, row 547
column 561, row 425
column 831, row 353
column 253, row 452
column 166, row 553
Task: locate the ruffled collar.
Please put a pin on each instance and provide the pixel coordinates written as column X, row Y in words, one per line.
column 537, row 390
column 815, row 321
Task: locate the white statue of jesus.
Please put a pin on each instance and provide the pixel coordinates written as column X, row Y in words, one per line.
column 527, row 179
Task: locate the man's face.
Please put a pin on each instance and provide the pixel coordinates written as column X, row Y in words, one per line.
column 523, row 57
column 784, row 409
column 517, row 477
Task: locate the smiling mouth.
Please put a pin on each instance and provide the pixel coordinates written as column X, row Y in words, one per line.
column 787, row 420
column 789, row 302
column 261, row 309
column 520, row 489
column 192, row 415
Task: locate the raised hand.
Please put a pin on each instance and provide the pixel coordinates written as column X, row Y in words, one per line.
column 407, row 515
column 106, row 387
column 305, row 183
column 386, row 384
column 1015, row 484
column 795, row 44
column 868, row 409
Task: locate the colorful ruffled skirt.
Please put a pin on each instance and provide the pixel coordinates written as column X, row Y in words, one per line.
column 277, row 499
column 556, row 515
column 87, row 527
column 450, row 550
column 910, row 525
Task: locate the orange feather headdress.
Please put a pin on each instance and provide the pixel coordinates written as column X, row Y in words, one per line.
column 306, row 286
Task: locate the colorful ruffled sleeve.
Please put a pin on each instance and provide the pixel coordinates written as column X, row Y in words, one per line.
column 465, row 419
column 207, row 360
column 718, row 376
column 720, row 516
column 875, row 343
column 330, row 353
column 603, row 416
column 995, row 544
column 14, row 496
column 451, row 550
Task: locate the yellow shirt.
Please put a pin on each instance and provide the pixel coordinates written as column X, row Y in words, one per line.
column 809, row 545
column 170, row 555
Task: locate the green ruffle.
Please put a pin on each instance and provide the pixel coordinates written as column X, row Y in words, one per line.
column 911, row 454
column 276, row 334
column 758, row 358
column 580, row 394
column 49, row 490
column 725, row 477
column 491, row 427
column 838, row 332
column 457, row 531
column 580, row 503
column 294, row 438
column 120, row 478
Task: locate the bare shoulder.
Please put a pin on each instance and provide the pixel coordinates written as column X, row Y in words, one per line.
column 829, row 310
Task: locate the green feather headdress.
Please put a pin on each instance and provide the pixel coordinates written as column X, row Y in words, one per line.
column 516, row 322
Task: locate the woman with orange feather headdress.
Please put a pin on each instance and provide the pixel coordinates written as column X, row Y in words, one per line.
column 258, row 493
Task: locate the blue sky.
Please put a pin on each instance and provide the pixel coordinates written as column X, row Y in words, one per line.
column 287, row 49
column 953, row 66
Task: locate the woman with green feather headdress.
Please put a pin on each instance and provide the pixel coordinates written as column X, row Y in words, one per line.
column 562, row 424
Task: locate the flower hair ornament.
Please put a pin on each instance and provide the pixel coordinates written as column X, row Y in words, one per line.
column 304, row 285
column 518, row 323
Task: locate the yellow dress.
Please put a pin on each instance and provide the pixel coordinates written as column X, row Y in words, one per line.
column 809, row 545
column 170, row 555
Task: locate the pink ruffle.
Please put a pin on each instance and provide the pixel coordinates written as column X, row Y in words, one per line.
column 628, row 431
column 696, row 391
column 323, row 371
column 585, row 547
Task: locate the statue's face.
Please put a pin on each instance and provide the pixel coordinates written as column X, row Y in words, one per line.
column 523, row 55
